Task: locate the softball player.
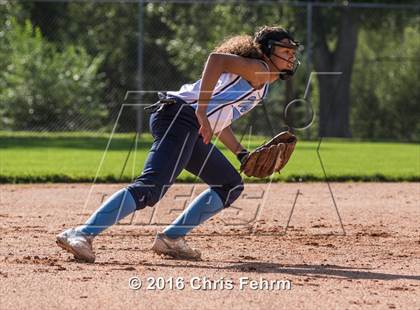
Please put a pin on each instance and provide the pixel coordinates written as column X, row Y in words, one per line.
column 236, row 77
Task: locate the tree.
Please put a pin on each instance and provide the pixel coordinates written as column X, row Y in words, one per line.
column 112, row 30
column 336, row 39
column 339, row 57
column 386, row 74
column 197, row 28
column 47, row 88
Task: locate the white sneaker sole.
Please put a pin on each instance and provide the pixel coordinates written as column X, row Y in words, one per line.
column 65, row 246
column 161, row 248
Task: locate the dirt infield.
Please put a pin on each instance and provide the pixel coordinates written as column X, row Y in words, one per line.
column 376, row 264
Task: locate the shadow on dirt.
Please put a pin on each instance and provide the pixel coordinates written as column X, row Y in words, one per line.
column 321, row 271
column 318, row 271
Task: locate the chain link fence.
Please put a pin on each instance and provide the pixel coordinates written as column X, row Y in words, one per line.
column 68, row 65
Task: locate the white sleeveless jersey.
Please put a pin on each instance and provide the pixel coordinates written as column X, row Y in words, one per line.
column 232, row 97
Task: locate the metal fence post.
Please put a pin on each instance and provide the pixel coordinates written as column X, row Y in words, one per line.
column 140, row 78
column 309, row 7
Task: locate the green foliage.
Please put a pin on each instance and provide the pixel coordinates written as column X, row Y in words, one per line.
column 43, row 86
column 82, row 58
column 113, row 30
column 198, row 28
column 194, row 30
column 10, row 8
column 385, row 85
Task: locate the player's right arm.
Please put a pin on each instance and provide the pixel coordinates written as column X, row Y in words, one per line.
column 216, row 64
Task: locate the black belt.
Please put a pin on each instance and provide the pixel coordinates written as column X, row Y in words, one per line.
column 163, row 100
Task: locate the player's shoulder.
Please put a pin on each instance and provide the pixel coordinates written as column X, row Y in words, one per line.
column 264, row 64
column 248, row 68
column 259, row 64
column 233, row 58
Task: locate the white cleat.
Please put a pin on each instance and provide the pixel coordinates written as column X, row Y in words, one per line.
column 176, row 248
column 77, row 243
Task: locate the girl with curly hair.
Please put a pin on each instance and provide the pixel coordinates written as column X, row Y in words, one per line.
column 236, row 77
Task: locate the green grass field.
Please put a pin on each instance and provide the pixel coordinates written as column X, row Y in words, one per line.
column 76, row 157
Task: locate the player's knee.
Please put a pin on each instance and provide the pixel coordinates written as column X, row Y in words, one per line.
column 234, row 193
column 230, row 192
column 146, row 195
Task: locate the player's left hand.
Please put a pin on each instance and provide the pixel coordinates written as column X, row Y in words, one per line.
column 269, row 157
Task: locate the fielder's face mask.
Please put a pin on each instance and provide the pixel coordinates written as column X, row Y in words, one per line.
column 284, row 74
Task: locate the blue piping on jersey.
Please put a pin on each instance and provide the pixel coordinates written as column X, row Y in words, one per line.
column 224, row 88
column 261, row 101
column 236, row 113
column 239, row 99
column 265, row 90
column 230, row 95
column 235, row 91
column 229, row 103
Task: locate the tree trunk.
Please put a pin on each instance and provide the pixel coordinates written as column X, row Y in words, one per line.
column 335, row 89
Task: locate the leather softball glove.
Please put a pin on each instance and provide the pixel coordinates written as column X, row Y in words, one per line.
column 269, row 157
